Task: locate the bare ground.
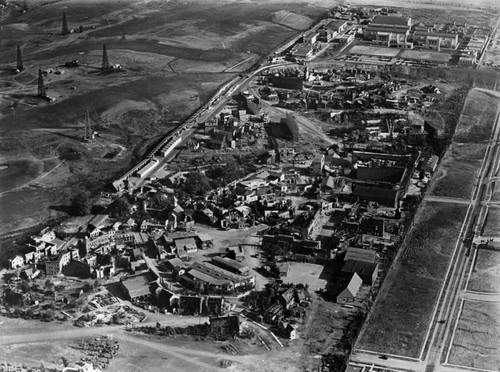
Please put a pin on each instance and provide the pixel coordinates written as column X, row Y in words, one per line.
column 477, row 339
column 403, row 309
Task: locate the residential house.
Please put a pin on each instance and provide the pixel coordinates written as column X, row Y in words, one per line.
column 185, row 246
column 349, row 293
column 17, row 261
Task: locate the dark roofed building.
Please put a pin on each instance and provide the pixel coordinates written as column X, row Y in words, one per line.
column 387, row 197
column 389, row 30
column 381, row 174
column 367, row 271
column 360, row 254
column 231, row 265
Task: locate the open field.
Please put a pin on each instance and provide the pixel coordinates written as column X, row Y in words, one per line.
column 477, row 339
column 458, row 170
column 495, row 196
column 425, row 55
column 403, row 310
column 486, row 274
column 478, row 116
column 492, row 227
column 374, row 51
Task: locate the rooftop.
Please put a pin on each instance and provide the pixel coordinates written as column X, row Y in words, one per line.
column 360, row 254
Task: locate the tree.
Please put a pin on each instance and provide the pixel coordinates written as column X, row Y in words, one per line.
column 196, row 183
column 120, row 208
column 81, row 203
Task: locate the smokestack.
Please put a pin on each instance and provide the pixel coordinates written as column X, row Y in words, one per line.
column 65, row 29
column 19, row 59
column 105, row 62
column 41, row 87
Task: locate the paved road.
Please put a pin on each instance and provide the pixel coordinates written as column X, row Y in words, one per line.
column 480, row 296
column 445, row 199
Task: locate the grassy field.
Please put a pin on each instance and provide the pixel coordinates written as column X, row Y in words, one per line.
column 430, row 16
column 477, row 338
column 477, row 119
column 458, row 170
column 486, row 274
column 403, row 310
column 496, row 192
column 374, row 51
column 425, row 55
column 492, row 227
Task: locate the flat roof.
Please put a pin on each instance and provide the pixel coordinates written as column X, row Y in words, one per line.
column 359, row 267
column 394, row 30
column 360, row 254
column 335, row 23
column 436, row 34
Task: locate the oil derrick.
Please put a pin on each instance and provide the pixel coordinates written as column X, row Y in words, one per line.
column 41, row 86
column 105, row 62
column 65, row 29
column 20, row 66
column 88, row 130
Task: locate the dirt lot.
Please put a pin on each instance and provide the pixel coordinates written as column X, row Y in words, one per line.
column 457, row 173
column 402, row 312
column 486, row 274
column 316, row 276
column 477, row 339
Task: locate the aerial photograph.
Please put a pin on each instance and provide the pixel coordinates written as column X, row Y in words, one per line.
column 250, row 185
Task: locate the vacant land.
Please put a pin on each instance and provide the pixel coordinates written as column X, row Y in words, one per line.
column 486, row 274
column 478, row 116
column 477, row 339
column 425, row 55
column 374, row 51
column 495, row 196
column 403, row 311
column 315, row 276
column 492, row 223
column 458, row 170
